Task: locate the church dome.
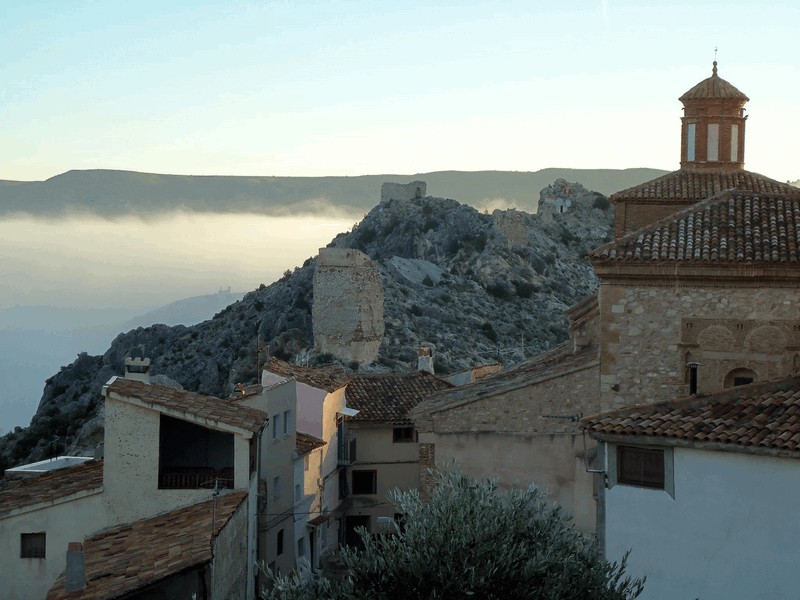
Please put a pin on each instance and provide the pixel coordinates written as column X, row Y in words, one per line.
column 714, row 88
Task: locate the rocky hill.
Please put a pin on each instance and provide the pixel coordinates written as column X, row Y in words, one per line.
column 481, row 287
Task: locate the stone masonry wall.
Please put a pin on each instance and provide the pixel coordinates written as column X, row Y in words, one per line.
column 550, row 406
column 648, row 334
column 230, row 557
column 347, row 313
column 403, row 191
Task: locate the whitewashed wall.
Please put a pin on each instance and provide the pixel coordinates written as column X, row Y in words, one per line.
column 732, row 530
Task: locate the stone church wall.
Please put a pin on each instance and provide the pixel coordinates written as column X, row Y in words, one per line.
column 649, row 334
column 347, row 314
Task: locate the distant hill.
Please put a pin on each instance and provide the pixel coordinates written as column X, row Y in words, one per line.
column 114, row 193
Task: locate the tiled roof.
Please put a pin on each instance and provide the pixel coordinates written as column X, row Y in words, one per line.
column 761, row 416
column 305, row 443
column 553, row 363
column 195, row 407
column 714, row 88
column 328, row 377
column 132, row 556
column 48, row 487
column 733, row 227
column 387, row 398
column 698, row 184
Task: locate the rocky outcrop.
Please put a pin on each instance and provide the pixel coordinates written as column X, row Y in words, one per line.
column 481, row 288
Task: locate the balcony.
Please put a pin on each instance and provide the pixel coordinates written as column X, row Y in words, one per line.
column 195, row 478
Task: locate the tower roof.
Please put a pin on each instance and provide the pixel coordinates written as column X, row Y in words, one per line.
column 714, row 88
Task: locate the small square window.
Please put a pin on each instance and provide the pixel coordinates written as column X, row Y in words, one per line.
column 404, row 434
column 32, row 545
column 643, row 467
column 365, row 482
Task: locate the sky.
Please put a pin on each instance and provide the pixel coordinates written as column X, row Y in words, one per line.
column 312, row 87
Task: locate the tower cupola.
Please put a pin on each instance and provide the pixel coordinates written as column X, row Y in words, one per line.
column 712, row 130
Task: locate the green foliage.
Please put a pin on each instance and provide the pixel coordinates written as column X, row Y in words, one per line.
column 470, row 540
column 524, row 289
column 416, row 310
column 601, row 202
column 499, row 290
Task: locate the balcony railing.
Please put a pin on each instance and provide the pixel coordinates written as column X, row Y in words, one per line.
column 194, row 478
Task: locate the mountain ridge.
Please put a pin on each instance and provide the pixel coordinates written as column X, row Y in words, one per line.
column 113, row 193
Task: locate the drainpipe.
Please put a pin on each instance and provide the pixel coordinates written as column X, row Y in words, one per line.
column 252, row 518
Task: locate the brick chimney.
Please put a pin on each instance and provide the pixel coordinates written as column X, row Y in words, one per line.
column 425, row 358
column 137, row 369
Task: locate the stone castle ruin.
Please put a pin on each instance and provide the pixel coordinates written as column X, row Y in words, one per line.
column 403, row 191
column 347, row 315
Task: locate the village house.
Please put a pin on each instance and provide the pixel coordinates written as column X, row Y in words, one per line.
column 384, row 453
column 308, row 515
column 167, row 452
column 703, row 490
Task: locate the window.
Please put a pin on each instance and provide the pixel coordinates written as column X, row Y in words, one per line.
column 286, row 419
column 365, row 482
column 32, row 545
column 740, row 376
column 275, row 427
column 734, row 142
column 712, row 151
column 690, row 132
column 276, row 486
column 301, row 546
column 642, row 467
column 279, row 545
column 404, row 434
column 692, row 366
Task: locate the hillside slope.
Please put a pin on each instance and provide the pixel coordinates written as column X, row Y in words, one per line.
column 494, row 288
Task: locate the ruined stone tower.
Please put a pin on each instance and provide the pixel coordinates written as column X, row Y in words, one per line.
column 347, row 314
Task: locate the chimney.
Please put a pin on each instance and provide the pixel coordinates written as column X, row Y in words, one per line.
column 76, row 568
column 425, row 358
column 137, row 369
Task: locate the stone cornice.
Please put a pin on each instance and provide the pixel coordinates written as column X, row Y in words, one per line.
column 690, row 274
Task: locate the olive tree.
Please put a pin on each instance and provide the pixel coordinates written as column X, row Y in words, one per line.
column 470, row 539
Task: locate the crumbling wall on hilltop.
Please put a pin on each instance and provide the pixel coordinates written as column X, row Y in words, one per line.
column 347, row 314
column 403, row 191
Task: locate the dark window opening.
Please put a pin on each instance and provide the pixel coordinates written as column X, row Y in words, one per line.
column 740, row 376
column 365, row 482
column 404, row 434
column 279, row 547
column 192, row 457
column 692, row 377
column 343, row 484
column 32, row 545
column 351, row 526
column 643, row 467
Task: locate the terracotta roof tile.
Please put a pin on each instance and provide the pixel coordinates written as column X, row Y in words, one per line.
column 328, row 377
column 198, row 406
column 305, row 443
column 761, row 416
column 387, row 398
column 699, row 184
column 553, row 363
column 52, row 486
column 129, row 557
column 732, row 227
column 714, row 88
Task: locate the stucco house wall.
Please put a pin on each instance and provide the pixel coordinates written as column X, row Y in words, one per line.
column 731, row 530
column 62, row 522
column 643, row 350
column 396, row 465
column 130, row 469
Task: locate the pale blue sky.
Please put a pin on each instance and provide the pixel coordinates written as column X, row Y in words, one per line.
column 343, row 88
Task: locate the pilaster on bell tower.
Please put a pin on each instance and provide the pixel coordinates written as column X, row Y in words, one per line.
column 712, row 129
